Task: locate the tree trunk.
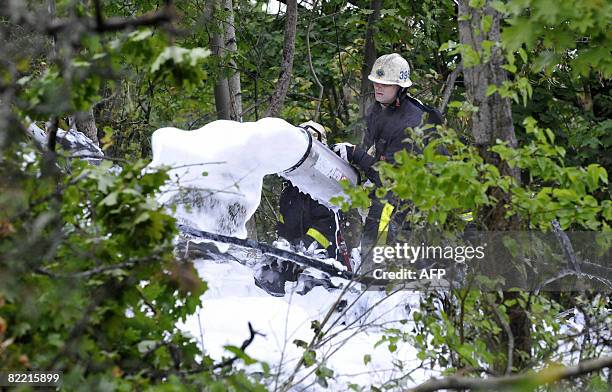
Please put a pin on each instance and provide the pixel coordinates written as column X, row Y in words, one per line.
column 369, row 56
column 234, row 88
column 222, row 94
column 231, row 47
column 52, row 11
column 284, row 78
column 493, row 121
column 85, row 122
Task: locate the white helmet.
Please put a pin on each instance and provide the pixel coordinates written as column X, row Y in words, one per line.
column 391, row 69
column 315, row 130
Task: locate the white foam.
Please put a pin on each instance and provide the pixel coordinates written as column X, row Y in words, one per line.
column 236, row 157
column 233, row 300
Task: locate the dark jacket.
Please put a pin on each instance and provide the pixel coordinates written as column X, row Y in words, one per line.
column 303, row 218
column 386, row 132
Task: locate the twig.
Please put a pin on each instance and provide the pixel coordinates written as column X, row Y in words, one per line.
column 165, row 15
column 243, row 347
column 448, row 88
column 566, row 244
column 85, row 274
column 88, row 273
column 101, row 157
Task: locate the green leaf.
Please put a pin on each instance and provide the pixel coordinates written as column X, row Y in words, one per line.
column 476, row 3
column 146, row 345
column 310, row 358
column 315, row 325
column 300, row 343
column 142, row 218
column 485, row 23
column 509, row 67
column 550, row 134
column 111, row 199
column 491, row 89
column 523, row 54
column 140, row 35
column 521, row 32
column 388, row 12
column 499, row 6
column 240, row 354
column 470, row 56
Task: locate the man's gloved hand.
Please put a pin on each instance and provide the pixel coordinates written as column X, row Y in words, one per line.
column 345, row 151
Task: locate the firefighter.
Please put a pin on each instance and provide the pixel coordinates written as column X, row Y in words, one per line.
column 304, row 222
column 387, row 121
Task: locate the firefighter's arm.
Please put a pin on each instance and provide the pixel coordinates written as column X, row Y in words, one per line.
column 365, row 162
column 357, row 156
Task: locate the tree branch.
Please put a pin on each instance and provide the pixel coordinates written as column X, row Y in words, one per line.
column 546, row 376
column 369, row 56
column 284, row 78
column 448, row 88
column 245, row 344
column 56, row 25
column 566, row 244
column 88, row 273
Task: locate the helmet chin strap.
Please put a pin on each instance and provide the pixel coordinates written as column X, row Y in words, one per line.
column 400, row 91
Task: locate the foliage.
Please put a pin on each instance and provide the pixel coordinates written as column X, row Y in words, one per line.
column 88, row 281
column 440, row 188
column 90, row 285
column 454, row 331
column 556, row 191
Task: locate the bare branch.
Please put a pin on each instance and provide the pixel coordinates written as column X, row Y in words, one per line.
column 546, row 376
column 448, row 88
column 369, row 56
column 56, row 25
column 245, row 344
column 284, row 78
column 566, row 244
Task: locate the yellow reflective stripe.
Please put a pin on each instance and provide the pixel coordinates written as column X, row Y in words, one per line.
column 383, row 226
column 319, row 237
column 468, row 216
column 281, row 219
